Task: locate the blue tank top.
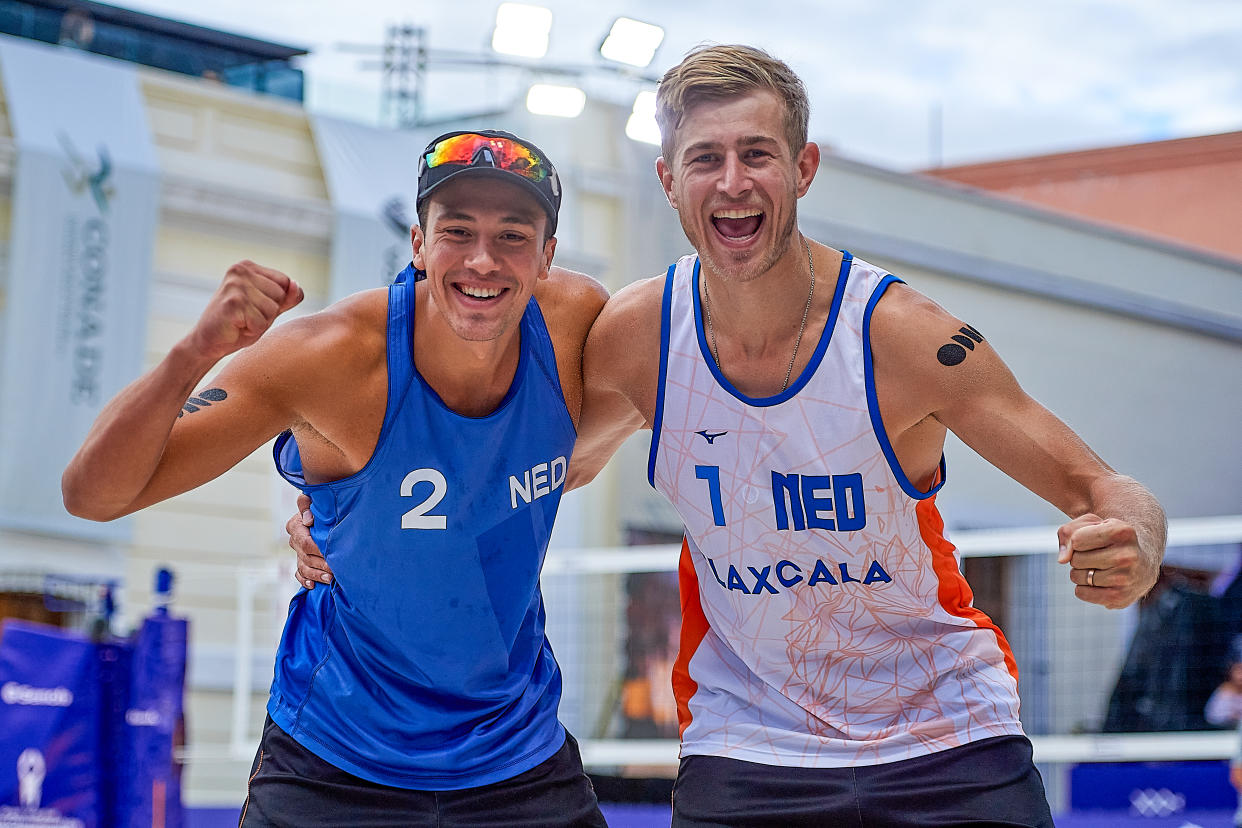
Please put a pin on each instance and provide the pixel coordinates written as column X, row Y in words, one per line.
column 425, row 664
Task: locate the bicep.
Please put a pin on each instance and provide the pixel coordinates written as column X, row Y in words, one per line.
column 969, row 390
column 231, row 415
column 608, row 418
column 989, row 411
column 614, row 372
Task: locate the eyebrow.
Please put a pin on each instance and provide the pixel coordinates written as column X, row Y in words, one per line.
column 527, row 219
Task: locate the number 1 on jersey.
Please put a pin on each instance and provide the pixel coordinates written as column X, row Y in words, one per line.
column 712, row 475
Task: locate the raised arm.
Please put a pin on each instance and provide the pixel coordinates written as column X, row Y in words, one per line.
column 148, row 443
column 1115, row 539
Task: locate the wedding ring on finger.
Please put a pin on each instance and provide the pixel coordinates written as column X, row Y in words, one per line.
column 1090, row 577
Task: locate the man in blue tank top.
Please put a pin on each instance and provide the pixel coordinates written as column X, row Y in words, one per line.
column 431, row 424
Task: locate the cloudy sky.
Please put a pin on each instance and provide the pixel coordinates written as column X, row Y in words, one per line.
column 1008, row 78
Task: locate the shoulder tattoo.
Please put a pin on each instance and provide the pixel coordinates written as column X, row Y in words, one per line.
column 964, row 341
column 202, row 399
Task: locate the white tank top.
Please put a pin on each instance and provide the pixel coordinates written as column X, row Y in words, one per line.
column 825, row 619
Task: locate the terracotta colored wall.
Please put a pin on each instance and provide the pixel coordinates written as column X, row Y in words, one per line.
column 1188, row 190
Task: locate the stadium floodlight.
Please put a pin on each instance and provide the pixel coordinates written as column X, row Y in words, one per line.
column 632, row 41
column 641, row 125
column 560, row 101
column 522, row 30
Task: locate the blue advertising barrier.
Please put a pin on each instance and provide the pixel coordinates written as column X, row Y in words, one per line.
column 1152, row 789
column 153, row 719
column 49, row 727
column 88, row 728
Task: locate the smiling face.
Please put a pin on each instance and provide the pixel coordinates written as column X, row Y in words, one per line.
column 735, row 182
column 483, row 249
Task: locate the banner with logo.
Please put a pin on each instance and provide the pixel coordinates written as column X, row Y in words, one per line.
column 84, row 214
column 154, row 722
column 49, row 709
column 91, row 729
column 372, row 178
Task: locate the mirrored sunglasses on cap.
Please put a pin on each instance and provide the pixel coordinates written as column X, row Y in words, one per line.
column 469, row 149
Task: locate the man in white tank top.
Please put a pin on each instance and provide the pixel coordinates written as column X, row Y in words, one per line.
column 833, row 670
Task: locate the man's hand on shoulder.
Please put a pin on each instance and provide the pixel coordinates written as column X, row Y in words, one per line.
column 242, row 309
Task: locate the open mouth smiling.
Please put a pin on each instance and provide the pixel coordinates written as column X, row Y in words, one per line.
column 478, row 293
column 738, row 225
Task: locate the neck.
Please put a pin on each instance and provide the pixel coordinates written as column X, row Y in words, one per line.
column 471, row 377
column 759, row 311
column 764, row 332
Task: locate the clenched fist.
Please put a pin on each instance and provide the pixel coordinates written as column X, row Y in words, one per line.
column 243, row 308
column 1108, row 565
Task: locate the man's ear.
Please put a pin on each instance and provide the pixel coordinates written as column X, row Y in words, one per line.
column 665, row 174
column 549, row 250
column 808, row 165
column 417, row 240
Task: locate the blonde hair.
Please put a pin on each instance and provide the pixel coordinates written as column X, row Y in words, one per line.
column 710, row 73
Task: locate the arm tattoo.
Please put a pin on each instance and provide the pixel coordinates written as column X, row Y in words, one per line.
column 203, row 399
column 955, row 352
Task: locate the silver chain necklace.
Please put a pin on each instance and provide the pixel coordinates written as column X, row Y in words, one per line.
column 707, row 307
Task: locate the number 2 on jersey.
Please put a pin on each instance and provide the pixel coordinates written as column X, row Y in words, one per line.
column 417, row 518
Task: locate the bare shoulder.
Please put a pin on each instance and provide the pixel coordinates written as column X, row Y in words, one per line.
column 321, row 348
column 633, row 311
column 933, row 356
column 910, row 326
column 332, row 369
column 570, row 301
column 568, row 285
column 905, row 314
column 363, row 315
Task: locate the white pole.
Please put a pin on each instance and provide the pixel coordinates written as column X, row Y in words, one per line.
column 243, row 657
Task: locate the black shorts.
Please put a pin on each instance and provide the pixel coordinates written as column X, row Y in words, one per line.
column 992, row 782
column 290, row 786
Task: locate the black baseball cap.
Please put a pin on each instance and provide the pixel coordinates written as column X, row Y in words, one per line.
column 495, row 153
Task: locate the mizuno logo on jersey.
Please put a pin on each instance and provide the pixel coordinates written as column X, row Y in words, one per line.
column 710, row 436
column 537, row 481
column 788, row 575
